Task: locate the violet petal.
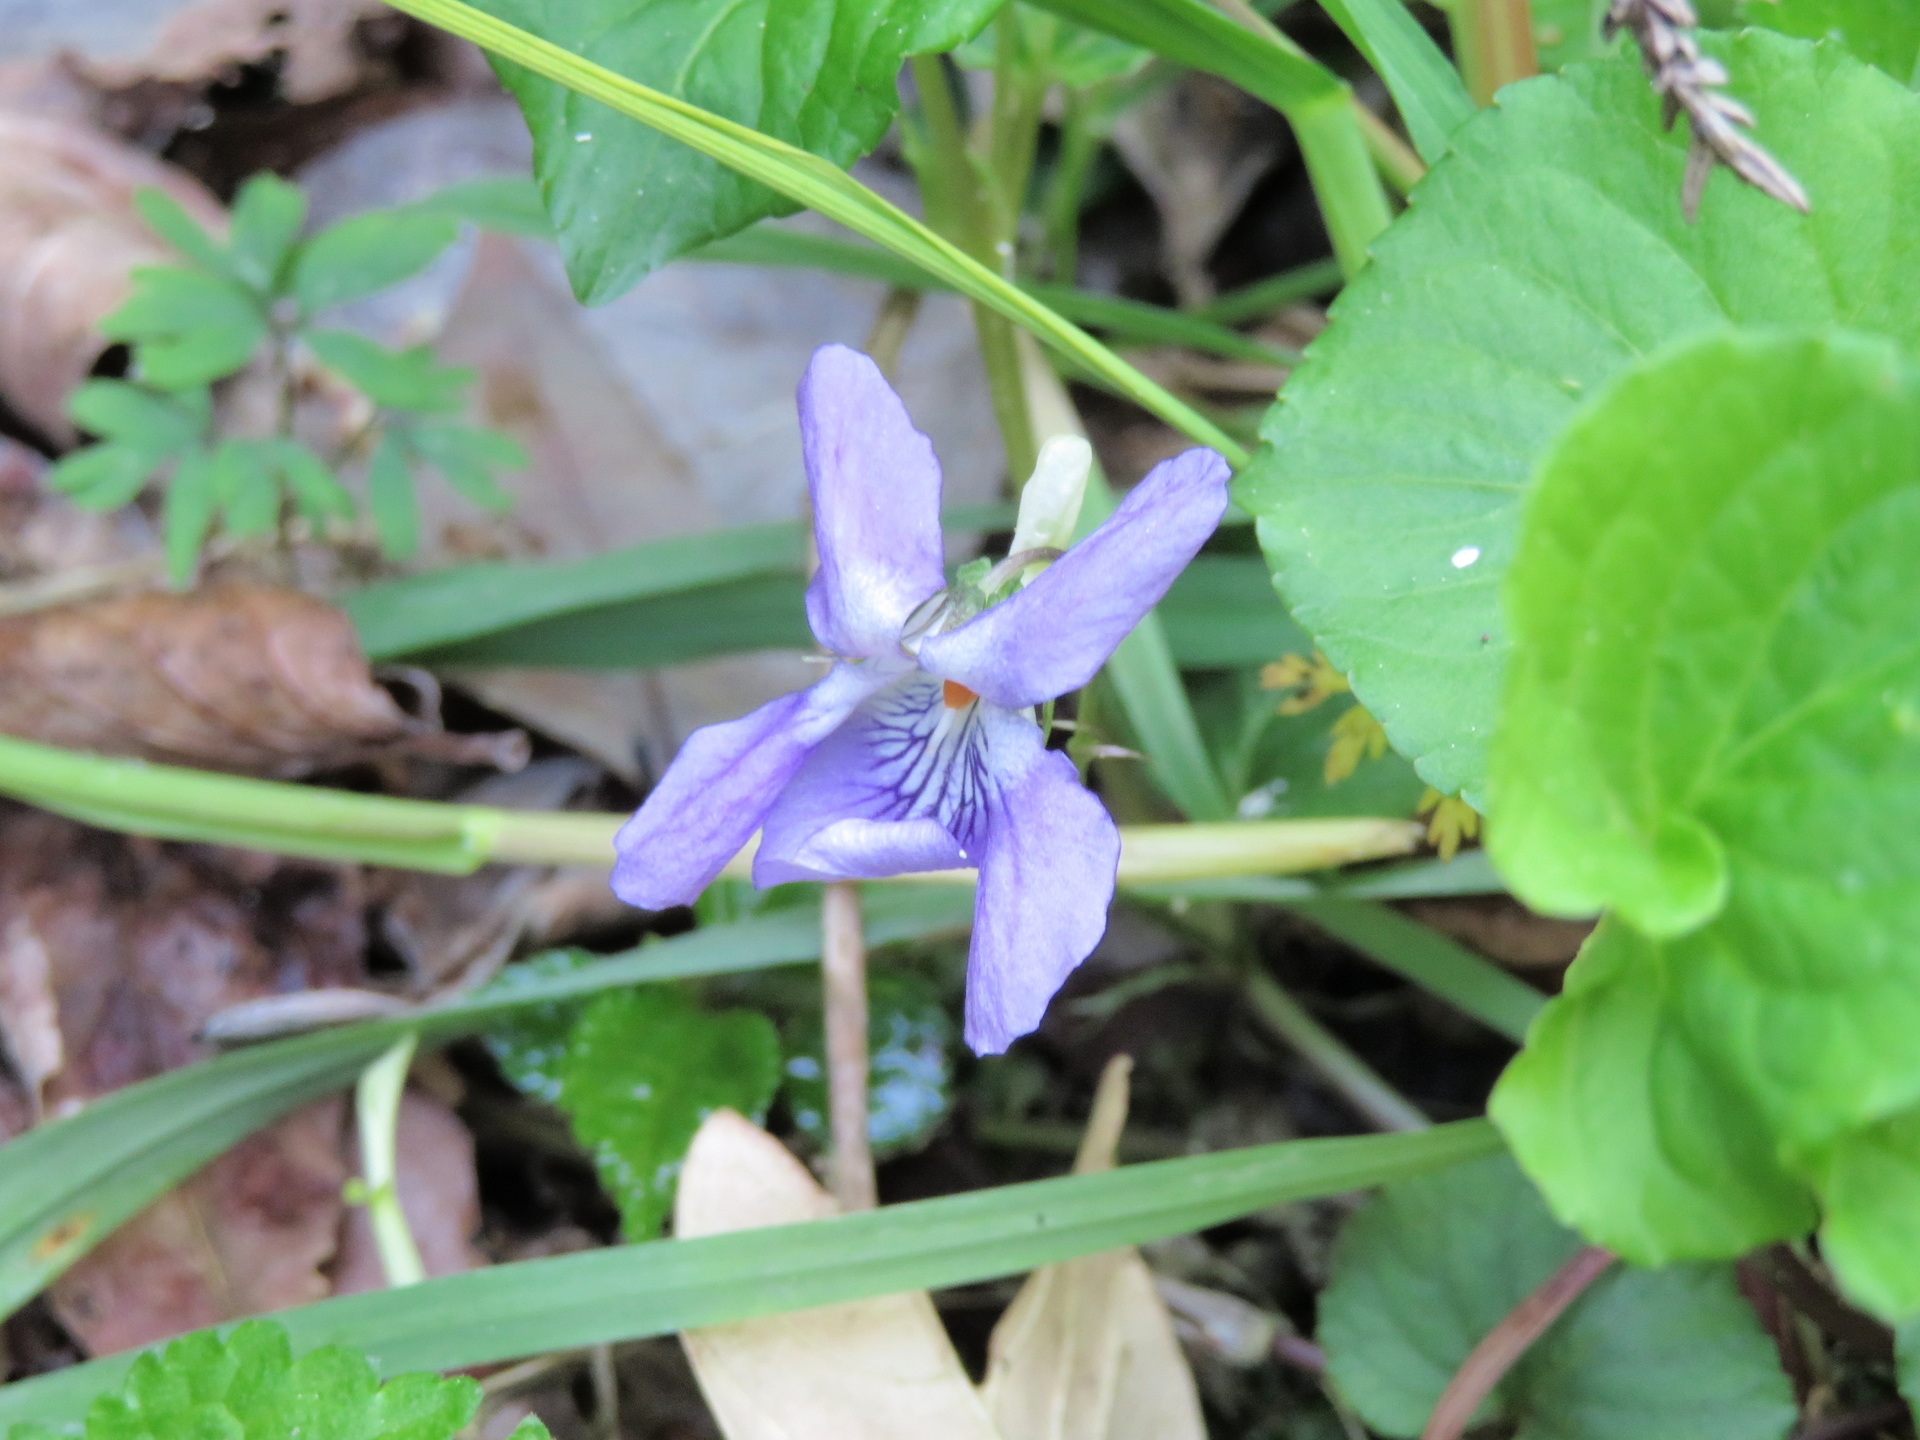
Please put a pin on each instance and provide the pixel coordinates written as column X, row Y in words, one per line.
column 1054, row 635
column 721, row 785
column 1046, row 879
column 898, row 788
column 876, row 505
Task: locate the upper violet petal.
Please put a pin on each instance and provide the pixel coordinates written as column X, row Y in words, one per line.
column 1054, row 635
column 898, row 788
column 1046, row 879
column 721, row 785
column 876, row 505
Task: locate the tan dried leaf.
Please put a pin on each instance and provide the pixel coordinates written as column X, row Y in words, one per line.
column 1087, row 1349
column 871, row 1370
column 69, row 236
column 29, row 1012
column 239, row 677
column 247, row 1235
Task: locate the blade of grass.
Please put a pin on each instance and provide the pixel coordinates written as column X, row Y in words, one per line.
column 1432, row 99
column 636, row 1290
column 1431, row 961
column 820, row 186
column 1263, row 297
column 1316, row 102
column 64, row 1186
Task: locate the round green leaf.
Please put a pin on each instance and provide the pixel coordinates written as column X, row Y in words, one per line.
column 910, row 1068
column 1541, row 258
column 1424, row 1272
column 1881, row 32
column 1712, row 726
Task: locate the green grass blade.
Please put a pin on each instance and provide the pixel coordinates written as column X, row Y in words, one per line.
column 628, row 610
column 1432, row 961
column 1263, row 297
column 1425, row 86
column 668, row 1285
column 65, row 1185
column 1315, row 101
column 820, row 186
column 1128, row 321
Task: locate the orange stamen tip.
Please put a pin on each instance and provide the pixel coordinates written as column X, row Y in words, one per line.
column 956, row 695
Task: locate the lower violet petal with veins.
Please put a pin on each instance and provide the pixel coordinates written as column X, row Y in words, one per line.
column 889, row 768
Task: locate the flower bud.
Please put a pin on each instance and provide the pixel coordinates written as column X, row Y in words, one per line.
column 1050, row 500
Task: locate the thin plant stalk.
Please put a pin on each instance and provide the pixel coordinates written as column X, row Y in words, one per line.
column 843, row 972
column 953, row 189
column 377, row 1115
column 1080, row 141
column 1493, row 42
column 1497, row 1351
column 1355, row 1080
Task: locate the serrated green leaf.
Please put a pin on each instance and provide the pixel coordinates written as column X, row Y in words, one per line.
column 267, row 215
column 170, row 221
column 397, row 379
column 365, row 254
column 642, row 1070
column 391, row 501
column 1881, row 32
column 155, row 423
column 1426, row 1270
column 819, row 75
column 248, row 1387
column 186, row 515
column 467, row 457
column 1544, row 256
column 190, row 328
column 1712, row 725
column 910, row 1074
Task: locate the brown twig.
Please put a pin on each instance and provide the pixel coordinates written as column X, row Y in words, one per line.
column 1807, row 1294
column 1884, row 1416
column 1508, row 1341
column 1685, row 80
column 843, row 973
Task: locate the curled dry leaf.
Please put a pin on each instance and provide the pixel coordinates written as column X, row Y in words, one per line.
column 69, row 236
column 1087, row 1350
column 239, row 677
column 871, row 1370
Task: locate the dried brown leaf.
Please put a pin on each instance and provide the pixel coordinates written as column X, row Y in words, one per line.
column 247, row 1235
column 29, row 1013
column 239, row 677
column 1087, row 1350
column 69, row 236
column 872, row 1370
column 115, row 45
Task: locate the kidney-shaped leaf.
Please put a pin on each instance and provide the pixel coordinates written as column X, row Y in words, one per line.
column 1882, row 32
column 1434, row 1263
column 819, row 74
column 1712, row 726
column 1545, row 255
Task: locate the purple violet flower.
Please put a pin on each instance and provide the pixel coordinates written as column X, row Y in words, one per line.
column 919, row 749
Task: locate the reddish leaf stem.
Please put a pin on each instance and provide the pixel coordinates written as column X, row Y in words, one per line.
column 1508, row 1341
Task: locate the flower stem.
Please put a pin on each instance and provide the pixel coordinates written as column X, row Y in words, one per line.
column 843, row 972
column 377, row 1114
column 1494, row 42
column 1509, row 1340
column 1356, row 1080
column 954, row 186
